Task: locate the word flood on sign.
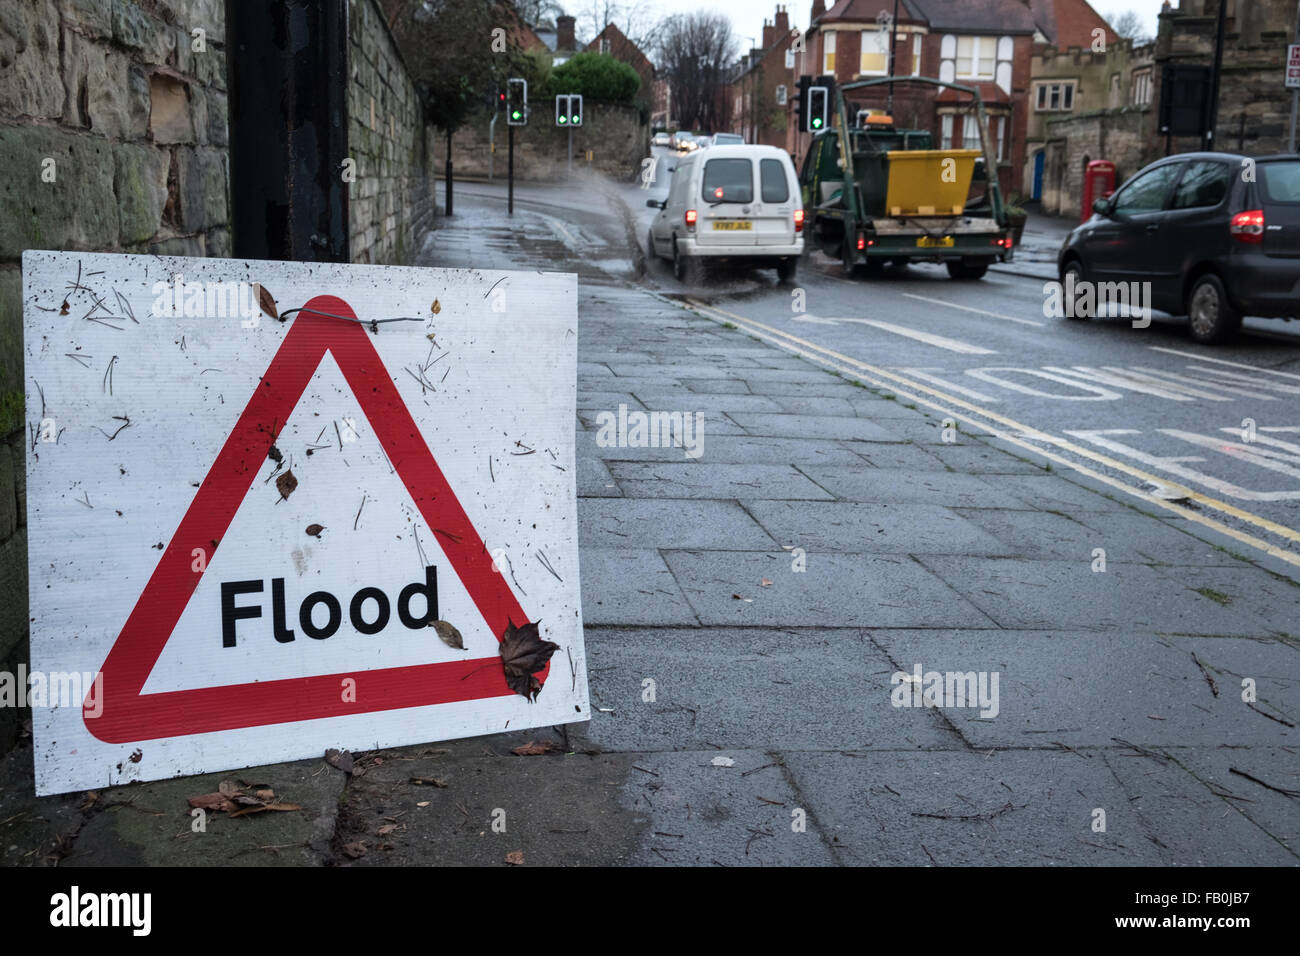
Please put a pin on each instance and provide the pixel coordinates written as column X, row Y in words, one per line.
column 262, row 539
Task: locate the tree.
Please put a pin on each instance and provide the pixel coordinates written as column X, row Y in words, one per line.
column 1129, row 26
column 636, row 19
column 596, row 77
column 695, row 53
column 533, row 12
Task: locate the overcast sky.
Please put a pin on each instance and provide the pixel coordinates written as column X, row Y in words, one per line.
column 747, row 15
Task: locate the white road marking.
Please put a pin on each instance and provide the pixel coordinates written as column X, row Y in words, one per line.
column 1180, row 377
column 1206, row 358
column 1234, row 450
column 815, row 320
column 924, row 374
column 1173, row 386
column 1119, row 381
column 1099, row 394
column 1271, row 443
column 967, row 308
column 1175, row 466
column 1247, row 379
column 929, row 338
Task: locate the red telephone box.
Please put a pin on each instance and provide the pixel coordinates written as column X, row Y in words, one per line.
column 1098, row 183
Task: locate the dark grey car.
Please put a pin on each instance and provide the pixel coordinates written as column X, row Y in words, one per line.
column 1217, row 235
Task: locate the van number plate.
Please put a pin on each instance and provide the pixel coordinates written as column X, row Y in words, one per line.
column 724, row 224
column 931, row 242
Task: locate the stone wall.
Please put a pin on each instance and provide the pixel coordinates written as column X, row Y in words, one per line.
column 113, row 138
column 1127, row 137
column 617, row 137
column 391, row 201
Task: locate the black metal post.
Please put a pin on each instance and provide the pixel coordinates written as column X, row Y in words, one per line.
column 448, row 172
column 510, row 175
column 893, row 50
column 1212, row 114
column 288, row 74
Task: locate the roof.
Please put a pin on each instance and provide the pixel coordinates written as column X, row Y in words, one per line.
column 998, row 17
column 867, row 10
column 1068, row 23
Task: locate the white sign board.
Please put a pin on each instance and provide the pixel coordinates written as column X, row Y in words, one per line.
column 1293, row 66
column 242, row 528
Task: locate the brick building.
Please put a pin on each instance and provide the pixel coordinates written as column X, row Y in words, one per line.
column 759, row 93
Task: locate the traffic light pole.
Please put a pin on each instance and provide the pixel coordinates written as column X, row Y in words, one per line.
column 448, row 172
column 568, row 169
column 510, row 175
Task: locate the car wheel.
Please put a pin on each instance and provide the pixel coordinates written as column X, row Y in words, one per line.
column 1073, row 268
column 785, row 270
column 1212, row 316
column 650, row 254
column 685, row 268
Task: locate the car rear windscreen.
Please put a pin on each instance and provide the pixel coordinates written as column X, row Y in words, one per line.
column 1281, row 181
column 775, row 186
column 728, row 180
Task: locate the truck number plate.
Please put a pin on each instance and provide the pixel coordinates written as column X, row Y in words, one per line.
column 931, row 242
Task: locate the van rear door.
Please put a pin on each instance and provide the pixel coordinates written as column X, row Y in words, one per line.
column 774, row 210
column 1279, row 188
column 727, row 202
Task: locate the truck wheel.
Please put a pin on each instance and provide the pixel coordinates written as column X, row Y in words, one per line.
column 785, row 270
column 965, row 269
column 1213, row 317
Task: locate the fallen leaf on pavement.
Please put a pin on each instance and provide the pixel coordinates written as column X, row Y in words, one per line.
column 515, row 858
column 354, row 850
column 429, row 782
column 423, row 803
column 340, row 760
column 766, row 582
column 524, row 653
column 535, row 749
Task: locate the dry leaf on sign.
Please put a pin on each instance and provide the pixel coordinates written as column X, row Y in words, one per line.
column 450, row 636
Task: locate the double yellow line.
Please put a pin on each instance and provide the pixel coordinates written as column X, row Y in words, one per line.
column 1011, row 430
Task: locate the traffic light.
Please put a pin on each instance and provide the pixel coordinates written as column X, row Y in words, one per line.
column 568, row 110
column 819, row 100
column 517, row 101
column 501, row 102
column 801, row 105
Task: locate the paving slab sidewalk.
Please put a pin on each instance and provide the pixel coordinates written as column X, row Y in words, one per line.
column 749, row 616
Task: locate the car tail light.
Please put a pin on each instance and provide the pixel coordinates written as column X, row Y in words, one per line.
column 1248, row 226
column 691, row 216
column 798, row 220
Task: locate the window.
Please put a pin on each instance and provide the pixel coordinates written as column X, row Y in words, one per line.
column 789, row 59
column 1203, row 185
column 916, row 54
column 970, row 129
column 946, row 139
column 828, row 53
column 1281, row 181
column 1141, row 87
column 976, row 57
column 999, row 126
column 1055, row 97
column 781, row 95
column 1146, row 193
column 775, row 186
column 874, row 60
column 604, row 45
column 728, row 180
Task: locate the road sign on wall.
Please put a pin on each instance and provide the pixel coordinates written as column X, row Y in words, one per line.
column 254, row 538
column 1293, row 66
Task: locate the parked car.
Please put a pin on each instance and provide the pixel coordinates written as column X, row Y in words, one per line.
column 1217, row 235
column 661, row 139
column 684, row 141
column 728, row 139
column 730, row 203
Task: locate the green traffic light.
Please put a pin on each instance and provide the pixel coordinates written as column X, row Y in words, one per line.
column 817, row 124
column 515, row 115
column 577, row 119
column 563, row 120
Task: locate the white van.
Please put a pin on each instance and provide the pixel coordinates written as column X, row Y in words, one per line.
column 731, row 202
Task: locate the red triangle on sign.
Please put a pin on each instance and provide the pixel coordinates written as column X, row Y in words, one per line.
column 129, row 715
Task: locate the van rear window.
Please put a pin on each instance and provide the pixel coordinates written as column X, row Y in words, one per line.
column 775, row 186
column 1281, row 181
column 728, row 180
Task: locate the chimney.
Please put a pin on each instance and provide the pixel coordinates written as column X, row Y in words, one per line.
column 818, row 10
column 782, row 23
column 564, row 33
column 768, row 30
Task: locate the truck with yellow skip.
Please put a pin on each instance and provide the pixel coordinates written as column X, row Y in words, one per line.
column 903, row 200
